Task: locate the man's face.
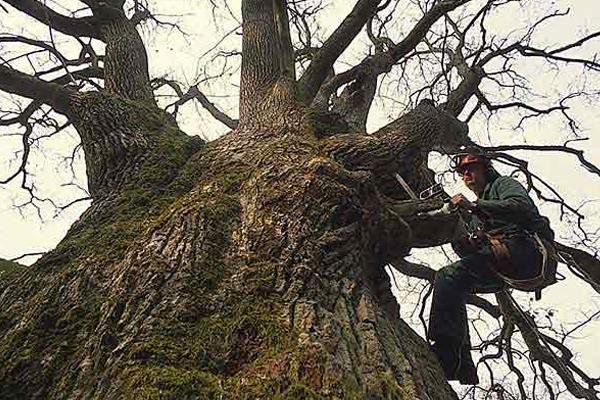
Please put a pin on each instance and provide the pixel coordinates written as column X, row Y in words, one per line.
column 473, row 175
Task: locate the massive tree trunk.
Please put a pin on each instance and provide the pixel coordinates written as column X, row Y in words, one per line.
column 253, row 268
column 250, row 267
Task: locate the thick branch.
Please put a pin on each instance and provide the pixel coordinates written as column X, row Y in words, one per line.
column 430, row 126
column 400, row 147
column 468, row 86
column 126, row 61
column 334, row 46
column 287, row 62
column 261, row 55
column 16, row 82
column 355, row 102
column 85, row 26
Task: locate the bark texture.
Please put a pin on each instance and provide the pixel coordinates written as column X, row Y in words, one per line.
column 250, row 267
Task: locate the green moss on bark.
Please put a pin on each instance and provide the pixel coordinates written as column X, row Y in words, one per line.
column 107, row 232
column 9, row 269
column 171, row 383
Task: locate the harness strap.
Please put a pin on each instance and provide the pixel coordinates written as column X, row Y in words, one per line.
column 502, row 255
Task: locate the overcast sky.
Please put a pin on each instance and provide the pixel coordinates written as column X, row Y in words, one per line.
column 185, row 56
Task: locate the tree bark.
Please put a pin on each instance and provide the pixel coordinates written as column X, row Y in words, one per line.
column 250, row 267
column 217, row 274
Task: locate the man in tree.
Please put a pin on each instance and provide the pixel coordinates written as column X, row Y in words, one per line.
column 501, row 223
column 252, row 266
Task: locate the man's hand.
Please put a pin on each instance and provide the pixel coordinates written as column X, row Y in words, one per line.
column 461, row 201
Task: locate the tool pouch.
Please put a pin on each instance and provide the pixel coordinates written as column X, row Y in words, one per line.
column 505, row 263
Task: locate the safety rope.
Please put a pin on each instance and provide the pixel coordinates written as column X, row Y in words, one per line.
column 576, row 269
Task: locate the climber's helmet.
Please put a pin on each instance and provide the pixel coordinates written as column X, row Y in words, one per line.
column 469, row 156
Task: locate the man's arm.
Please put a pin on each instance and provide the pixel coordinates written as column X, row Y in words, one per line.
column 513, row 202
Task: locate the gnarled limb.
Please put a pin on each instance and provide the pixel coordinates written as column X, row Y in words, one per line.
column 400, row 147
column 55, row 95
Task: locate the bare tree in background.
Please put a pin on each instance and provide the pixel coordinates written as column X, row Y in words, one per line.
column 253, row 266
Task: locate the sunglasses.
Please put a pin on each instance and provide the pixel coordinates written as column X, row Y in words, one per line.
column 467, row 168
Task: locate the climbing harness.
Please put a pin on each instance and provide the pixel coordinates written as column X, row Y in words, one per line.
column 547, row 275
column 500, row 250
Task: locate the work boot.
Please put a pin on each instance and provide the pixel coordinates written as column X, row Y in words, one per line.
column 448, row 354
column 467, row 372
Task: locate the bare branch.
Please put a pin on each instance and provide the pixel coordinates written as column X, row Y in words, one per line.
column 588, row 165
column 15, row 82
column 334, row 46
column 85, row 26
column 383, row 62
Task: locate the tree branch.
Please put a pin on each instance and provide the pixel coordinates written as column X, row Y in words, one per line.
column 16, row 82
column 334, row 46
column 287, row 64
column 553, row 148
column 383, row 62
column 261, row 57
column 540, row 348
column 585, row 265
column 85, row 26
column 195, row 93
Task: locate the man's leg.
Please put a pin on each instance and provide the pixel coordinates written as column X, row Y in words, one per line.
column 448, row 324
column 448, row 327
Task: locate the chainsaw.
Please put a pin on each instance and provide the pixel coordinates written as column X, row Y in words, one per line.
column 433, row 191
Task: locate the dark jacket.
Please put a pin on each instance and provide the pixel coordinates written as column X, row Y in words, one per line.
column 505, row 207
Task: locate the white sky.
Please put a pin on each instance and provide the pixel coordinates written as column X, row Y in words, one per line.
column 174, row 55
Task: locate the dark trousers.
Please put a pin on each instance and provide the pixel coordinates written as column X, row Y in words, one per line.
column 453, row 283
column 473, row 273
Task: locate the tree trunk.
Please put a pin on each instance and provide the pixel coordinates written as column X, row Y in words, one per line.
column 250, row 269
